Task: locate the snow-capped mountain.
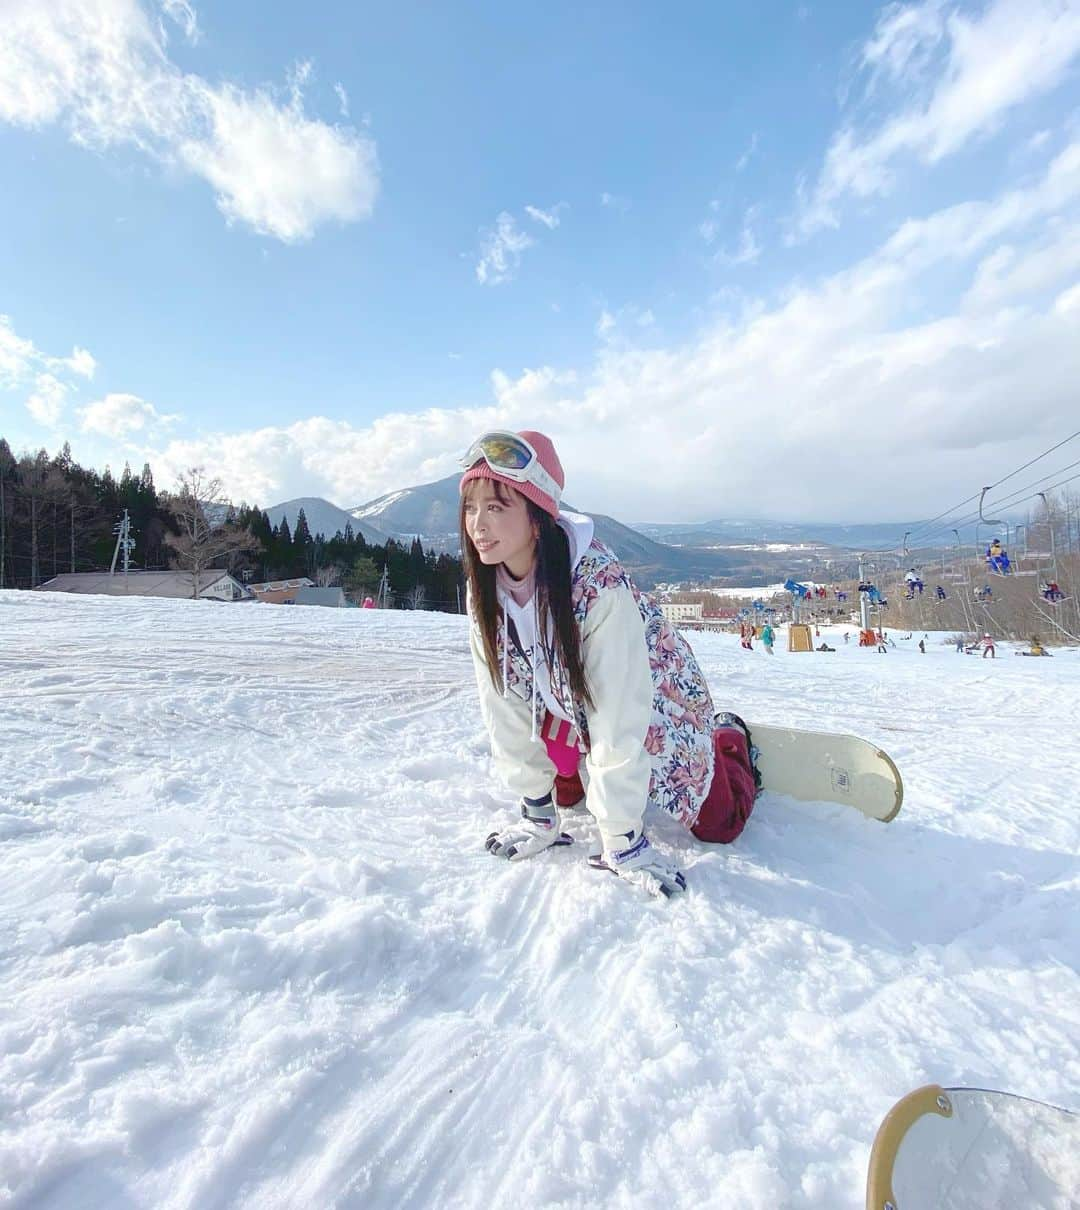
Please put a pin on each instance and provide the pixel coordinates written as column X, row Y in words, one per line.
column 430, row 512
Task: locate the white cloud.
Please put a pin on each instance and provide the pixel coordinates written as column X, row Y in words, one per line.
column 1068, row 301
column 101, row 68
column 500, row 251
column 746, row 251
column 954, row 78
column 751, row 151
column 18, row 356
column 46, row 404
column 343, row 100
column 120, row 415
column 81, row 362
column 613, row 325
column 549, row 218
column 613, row 201
column 829, row 371
column 23, row 364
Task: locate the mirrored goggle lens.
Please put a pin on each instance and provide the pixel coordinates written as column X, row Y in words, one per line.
column 506, row 452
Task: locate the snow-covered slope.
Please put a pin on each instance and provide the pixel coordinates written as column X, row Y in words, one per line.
column 253, row 953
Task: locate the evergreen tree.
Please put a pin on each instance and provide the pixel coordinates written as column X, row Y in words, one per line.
column 301, row 535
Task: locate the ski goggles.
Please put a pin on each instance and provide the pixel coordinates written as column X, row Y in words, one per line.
column 512, row 457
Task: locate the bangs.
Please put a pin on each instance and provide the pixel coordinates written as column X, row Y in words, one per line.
column 502, row 492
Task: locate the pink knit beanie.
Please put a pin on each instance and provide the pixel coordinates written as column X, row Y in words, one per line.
column 549, row 460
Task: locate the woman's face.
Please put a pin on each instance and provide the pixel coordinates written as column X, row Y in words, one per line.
column 498, row 524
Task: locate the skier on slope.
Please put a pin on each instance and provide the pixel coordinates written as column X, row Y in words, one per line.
column 768, row 637
column 575, row 668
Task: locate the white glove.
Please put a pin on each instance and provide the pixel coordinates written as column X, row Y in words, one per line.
column 538, row 830
column 632, row 857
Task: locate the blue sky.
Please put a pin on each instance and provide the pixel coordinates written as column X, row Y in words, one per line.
column 714, row 250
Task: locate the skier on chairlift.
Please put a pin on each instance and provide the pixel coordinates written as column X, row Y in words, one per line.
column 997, row 558
column 1051, row 592
column 914, row 584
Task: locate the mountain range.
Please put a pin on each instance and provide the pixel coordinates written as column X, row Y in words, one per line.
column 753, row 550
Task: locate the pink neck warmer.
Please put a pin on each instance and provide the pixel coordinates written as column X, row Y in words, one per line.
column 521, row 590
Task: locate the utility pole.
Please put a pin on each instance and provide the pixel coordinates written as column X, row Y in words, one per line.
column 124, row 542
column 383, row 587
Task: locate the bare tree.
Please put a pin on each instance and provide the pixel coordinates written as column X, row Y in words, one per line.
column 416, row 596
column 328, row 577
column 7, row 472
column 41, row 484
column 201, row 510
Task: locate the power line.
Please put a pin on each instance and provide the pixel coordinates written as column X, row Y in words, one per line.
column 920, row 531
column 1010, row 501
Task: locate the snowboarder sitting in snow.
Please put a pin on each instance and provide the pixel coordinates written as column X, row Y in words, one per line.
column 576, row 668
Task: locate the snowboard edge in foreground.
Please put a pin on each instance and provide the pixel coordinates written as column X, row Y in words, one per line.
column 973, row 1148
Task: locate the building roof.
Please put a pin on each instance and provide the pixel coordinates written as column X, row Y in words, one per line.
column 281, row 585
column 135, row 583
column 321, row 596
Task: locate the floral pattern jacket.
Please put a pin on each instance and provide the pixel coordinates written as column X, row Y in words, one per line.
column 648, row 737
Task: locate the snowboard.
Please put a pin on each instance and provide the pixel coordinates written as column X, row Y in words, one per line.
column 974, row 1149
column 817, row 766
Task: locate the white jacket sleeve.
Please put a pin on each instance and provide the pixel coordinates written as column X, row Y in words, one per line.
column 521, row 761
column 617, row 669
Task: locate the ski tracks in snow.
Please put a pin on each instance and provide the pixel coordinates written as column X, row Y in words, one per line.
column 257, row 956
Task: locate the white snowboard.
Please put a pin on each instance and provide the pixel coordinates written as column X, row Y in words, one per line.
column 974, row 1149
column 816, row 766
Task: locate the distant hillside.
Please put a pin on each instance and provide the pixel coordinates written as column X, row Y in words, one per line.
column 430, row 512
column 323, row 518
column 882, row 535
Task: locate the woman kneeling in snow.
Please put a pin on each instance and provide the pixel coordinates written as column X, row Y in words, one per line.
column 572, row 661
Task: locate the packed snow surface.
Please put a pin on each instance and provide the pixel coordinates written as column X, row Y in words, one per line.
column 253, row 952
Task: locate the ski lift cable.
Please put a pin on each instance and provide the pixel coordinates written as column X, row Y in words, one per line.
column 1038, row 459
column 918, row 531
column 1009, row 501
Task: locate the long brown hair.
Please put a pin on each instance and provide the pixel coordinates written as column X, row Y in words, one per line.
column 553, row 595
